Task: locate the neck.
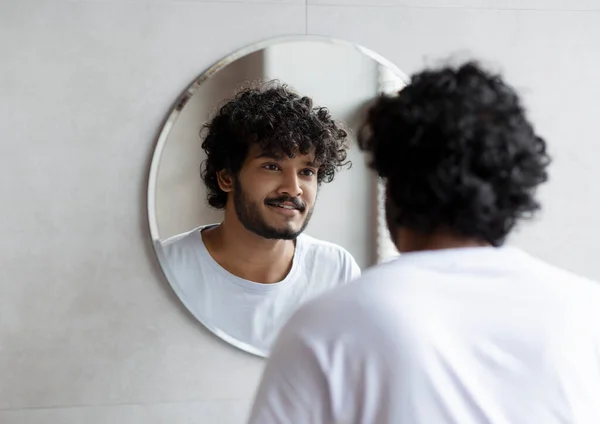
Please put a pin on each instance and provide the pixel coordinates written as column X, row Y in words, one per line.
column 247, row 255
column 410, row 241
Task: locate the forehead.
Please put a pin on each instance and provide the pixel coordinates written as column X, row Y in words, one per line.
column 256, row 153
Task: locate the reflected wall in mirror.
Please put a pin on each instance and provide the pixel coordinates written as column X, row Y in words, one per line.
column 261, row 133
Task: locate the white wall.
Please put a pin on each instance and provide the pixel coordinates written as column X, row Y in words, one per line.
column 89, row 331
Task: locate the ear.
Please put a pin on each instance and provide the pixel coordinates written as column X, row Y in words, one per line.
column 225, row 180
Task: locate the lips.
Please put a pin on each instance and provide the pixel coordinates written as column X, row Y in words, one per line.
column 286, row 204
column 287, row 207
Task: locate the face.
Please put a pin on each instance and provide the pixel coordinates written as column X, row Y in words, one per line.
column 274, row 196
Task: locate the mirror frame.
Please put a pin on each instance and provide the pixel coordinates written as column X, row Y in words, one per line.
column 181, row 102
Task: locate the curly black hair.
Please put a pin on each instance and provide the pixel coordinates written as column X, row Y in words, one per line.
column 280, row 121
column 457, row 152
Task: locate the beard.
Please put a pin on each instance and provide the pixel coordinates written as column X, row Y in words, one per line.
column 249, row 214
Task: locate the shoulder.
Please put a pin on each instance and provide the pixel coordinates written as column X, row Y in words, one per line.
column 180, row 243
column 185, row 262
column 182, row 251
column 380, row 294
column 565, row 284
column 325, row 349
column 345, row 327
column 323, row 253
column 314, row 246
column 359, row 299
column 184, row 240
column 573, row 298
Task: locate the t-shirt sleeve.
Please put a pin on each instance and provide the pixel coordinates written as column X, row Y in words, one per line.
column 294, row 388
column 351, row 269
column 355, row 271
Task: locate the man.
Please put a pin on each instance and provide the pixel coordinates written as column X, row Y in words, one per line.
column 460, row 328
column 268, row 150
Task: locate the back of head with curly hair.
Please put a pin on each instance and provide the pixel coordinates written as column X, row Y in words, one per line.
column 457, row 153
column 281, row 122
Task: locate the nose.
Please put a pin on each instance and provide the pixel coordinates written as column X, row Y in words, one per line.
column 290, row 185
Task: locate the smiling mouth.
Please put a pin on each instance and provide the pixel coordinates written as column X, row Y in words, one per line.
column 285, row 207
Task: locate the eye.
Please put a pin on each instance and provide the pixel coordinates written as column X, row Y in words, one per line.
column 308, row 172
column 271, row 167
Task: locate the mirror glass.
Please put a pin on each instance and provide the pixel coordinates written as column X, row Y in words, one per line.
column 231, row 292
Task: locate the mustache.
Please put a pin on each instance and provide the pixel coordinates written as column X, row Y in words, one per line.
column 295, row 201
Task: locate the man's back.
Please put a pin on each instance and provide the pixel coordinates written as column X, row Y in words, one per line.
column 467, row 335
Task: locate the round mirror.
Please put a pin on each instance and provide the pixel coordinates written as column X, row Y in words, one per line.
column 259, row 198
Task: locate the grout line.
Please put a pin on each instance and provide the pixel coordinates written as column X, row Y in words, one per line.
column 325, row 4
column 119, row 405
column 194, row 2
column 410, row 6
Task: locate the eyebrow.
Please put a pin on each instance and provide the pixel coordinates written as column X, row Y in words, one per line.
column 279, row 158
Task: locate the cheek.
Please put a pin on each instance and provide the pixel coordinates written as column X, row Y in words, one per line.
column 255, row 185
column 266, row 188
column 310, row 193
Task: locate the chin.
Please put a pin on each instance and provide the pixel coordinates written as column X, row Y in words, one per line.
column 295, row 229
column 283, row 234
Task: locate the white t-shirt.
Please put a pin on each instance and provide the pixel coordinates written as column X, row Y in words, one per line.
column 459, row 336
column 245, row 313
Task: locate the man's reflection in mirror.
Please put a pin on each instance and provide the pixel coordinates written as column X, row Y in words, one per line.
column 268, row 151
